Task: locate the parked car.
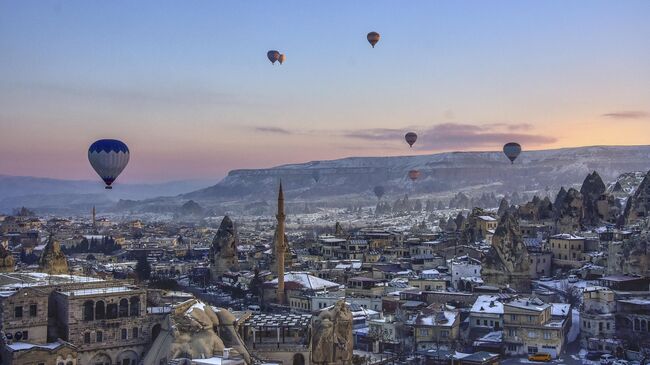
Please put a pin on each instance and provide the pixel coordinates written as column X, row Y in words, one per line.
column 255, row 309
column 607, row 359
column 540, row 356
column 621, row 362
column 594, row 355
column 572, row 279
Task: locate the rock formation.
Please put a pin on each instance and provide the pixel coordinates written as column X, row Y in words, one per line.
column 638, row 205
column 460, row 221
column 507, row 262
column 196, row 330
column 471, row 231
column 53, row 260
column 536, row 209
column 630, row 257
column 503, row 207
column 451, row 225
column 7, row 262
column 224, row 249
column 568, row 213
column 592, row 191
column 331, row 340
column 339, row 231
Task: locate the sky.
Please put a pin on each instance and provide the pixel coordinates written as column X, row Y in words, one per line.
column 187, row 85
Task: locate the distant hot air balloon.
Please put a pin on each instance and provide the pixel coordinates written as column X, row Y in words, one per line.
column 512, row 150
column 414, row 174
column 108, row 157
column 373, row 38
column 379, row 191
column 410, row 138
column 282, row 58
column 273, row 55
column 315, row 175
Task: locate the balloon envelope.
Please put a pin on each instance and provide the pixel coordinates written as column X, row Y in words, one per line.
column 414, row 174
column 108, row 157
column 282, row 58
column 373, row 38
column 410, row 138
column 512, row 150
column 379, row 191
column 273, row 55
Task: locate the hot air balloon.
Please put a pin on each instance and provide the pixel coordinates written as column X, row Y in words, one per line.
column 410, row 138
column 282, row 58
column 512, row 150
column 315, row 175
column 379, row 191
column 373, row 38
column 414, row 174
column 108, row 157
column 273, row 55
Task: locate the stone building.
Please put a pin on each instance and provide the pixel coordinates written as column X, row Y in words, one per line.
column 568, row 250
column 529, row 327
column 74, row 319
column 598, row 319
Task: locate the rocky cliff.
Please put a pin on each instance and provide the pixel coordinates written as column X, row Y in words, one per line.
column 507, row 262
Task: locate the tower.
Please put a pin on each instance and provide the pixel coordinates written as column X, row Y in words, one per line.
column 280, row 246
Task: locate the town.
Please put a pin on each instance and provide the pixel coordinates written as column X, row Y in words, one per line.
column 563, row 279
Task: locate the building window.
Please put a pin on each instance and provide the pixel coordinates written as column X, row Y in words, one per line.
column 88, row 309
column 25, row 335
column 33, row 310
column 18, row 312
column 444, row 334
column 478, row 322
column 513, row 317
column 100, row 336
column 547, row 335
column 136, row 331
column 512, row 332
column 530, row 318
column 124, row 308
column 124, row 334
column 424, row 332
column 87, row 337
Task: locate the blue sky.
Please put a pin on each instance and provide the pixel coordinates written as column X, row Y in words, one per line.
column 187, row 84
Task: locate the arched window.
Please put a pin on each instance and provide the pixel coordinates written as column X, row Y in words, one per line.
column 298, row 359
column 100, row 310
column 135, row 306
column 124, row 308
column 111, row 311
column 88, row 310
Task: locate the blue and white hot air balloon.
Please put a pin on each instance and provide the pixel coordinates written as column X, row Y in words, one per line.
column 108, row 157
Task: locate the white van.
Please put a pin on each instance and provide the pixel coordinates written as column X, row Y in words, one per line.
column 573, row 279
column 255, row 309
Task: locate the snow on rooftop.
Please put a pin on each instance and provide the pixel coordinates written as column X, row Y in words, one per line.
column 96, row 291
column 487, row 304
column 307, row 281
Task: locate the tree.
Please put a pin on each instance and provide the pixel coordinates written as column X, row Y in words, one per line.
column 572, row 294
column 143, row 268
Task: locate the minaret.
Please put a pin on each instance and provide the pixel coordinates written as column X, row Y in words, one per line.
column 280, row 246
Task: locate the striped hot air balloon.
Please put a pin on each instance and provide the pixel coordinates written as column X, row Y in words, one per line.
column 108, row 157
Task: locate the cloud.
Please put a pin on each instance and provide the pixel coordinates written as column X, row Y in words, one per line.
column 628, row 114
column 273, row 130
column 457, row 136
